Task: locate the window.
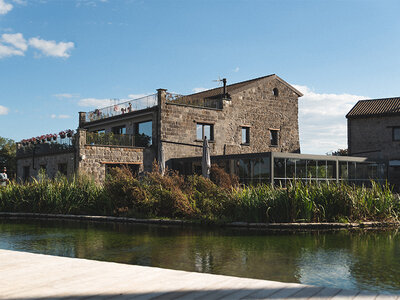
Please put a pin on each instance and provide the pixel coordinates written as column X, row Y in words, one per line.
column 25, row 173
column 246, row 135
column 276, row 92
column 274, row 136
column 205, row 130
column 396, row 133
column 119, row 130
column 143, row 134
column 62, row 168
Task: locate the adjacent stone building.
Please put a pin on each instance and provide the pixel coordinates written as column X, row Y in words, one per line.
column 374, row 132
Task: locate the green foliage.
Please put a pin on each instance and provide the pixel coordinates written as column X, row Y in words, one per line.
column 197, row 198
column 8, row 156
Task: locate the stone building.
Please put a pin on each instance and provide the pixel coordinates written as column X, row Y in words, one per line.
column 258, row 115
column 374, row 132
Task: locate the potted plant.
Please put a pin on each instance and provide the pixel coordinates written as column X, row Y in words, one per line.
column 62, row 134
column 48, row 137
column 70, row 133
column 54, row 136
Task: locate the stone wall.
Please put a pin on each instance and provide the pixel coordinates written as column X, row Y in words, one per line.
column 373, row 138
column 93, row 159
column 254, row 105
column 50, row 163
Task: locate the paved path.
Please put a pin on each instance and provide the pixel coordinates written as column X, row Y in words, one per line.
column 36, row 276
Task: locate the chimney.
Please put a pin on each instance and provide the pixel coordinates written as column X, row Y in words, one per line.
column 224, row 82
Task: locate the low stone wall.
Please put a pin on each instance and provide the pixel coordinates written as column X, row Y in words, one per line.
column 93, row 159
column 52, row 163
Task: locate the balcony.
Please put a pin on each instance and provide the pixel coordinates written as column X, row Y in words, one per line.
column 211, row 102
column 111, row 139
column 45, row 147
column 122, row 108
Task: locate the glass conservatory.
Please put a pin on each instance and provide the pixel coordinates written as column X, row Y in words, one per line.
column 279, row 168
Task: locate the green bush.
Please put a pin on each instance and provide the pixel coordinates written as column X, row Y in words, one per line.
column 197, row 198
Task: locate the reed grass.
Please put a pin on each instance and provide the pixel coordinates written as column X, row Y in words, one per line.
column 197, row 198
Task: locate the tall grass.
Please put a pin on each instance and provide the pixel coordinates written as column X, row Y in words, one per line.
column 197, row 198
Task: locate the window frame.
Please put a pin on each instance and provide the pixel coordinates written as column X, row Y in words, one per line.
column 271, row 133
column 393, row 134
column 202, row 124
column 246, row 130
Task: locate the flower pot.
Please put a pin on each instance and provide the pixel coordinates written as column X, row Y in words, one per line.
column 54, row 138
column 48, row 139
column 62, row 136
column 69, row 134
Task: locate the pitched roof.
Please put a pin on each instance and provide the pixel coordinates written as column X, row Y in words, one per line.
column 375, row 107
column 231, row 88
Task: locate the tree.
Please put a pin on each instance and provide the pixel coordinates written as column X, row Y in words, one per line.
column 8, row 156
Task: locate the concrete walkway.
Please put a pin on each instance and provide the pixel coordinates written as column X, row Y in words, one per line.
column 36, row 276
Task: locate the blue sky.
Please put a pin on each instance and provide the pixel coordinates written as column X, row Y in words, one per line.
column 58, row 57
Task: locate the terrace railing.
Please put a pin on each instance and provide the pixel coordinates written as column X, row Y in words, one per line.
column 122, row 108
column 111, row 139
column 47, row 147
column 193, row 101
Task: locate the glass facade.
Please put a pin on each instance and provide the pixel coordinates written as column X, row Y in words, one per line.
column 281, row 168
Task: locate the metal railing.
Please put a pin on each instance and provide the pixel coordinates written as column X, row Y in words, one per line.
column 122, row 108
column 48, row 147
column 111, row 139
column 192, row 101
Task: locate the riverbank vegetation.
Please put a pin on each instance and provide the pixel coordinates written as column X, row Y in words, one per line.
column 196, row 198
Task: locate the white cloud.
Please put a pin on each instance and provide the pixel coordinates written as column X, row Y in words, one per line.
column 52, row 48
column 6, row 51
column 3, row 110
column 97, row 103
column 20, row 2
column 16, row 39
column 236, row 69
column 64, row 116
column 54, row 116
column 199, row 89
column 66, row 95
column 5, row 7
column 322, row 121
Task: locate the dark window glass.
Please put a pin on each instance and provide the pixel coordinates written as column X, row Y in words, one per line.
column 331, row 169
column 119, row 130
column 274, row 137
column 396, row 133
column 290, row 168
column 279, row 168
column 143, row 134
column 311, row 169
column 25, row 173
column 245, row 135
column 276, row 92
column 301, row 169
column 343, row 172
column 204, row 130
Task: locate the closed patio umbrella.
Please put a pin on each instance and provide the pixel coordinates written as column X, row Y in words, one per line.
column 206, row 160
column 161, row 159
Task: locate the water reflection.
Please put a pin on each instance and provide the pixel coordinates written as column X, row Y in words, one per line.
column 361, row 259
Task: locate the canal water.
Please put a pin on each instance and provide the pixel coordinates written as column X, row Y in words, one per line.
column 361, row 259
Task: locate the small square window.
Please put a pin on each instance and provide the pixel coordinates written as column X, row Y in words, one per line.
column 396, row 133
column 246, row 135
column 274, row 136
column 204, row 130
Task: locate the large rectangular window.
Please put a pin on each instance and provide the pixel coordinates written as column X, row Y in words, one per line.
column 143, row 134
column 119, row 130
column 245, row 135
column 274, row 136
column 204, row 131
